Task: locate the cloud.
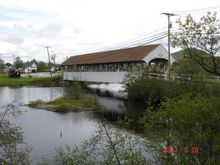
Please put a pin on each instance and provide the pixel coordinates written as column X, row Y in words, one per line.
column 10, row 13
column 76, row 27
column 14, row 40
column 49, row 31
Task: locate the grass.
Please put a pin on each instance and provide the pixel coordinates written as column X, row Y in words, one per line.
column 37, row 102
column 66, row 104
column 26, row 81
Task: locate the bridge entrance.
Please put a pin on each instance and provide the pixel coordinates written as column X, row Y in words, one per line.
column 158, row 65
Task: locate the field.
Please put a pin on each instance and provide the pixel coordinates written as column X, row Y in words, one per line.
column 28, row 81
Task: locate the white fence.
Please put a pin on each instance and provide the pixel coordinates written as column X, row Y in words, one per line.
column 181, row 78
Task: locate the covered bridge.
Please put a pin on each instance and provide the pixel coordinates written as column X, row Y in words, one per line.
column 111, row 66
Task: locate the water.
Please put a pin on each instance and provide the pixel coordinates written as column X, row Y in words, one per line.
column 45, row 130
column 42, row 129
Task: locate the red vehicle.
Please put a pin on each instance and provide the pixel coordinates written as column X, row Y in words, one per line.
column 12, row 73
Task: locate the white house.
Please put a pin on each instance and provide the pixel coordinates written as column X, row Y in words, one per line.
column 30, row 67
column 112, row 66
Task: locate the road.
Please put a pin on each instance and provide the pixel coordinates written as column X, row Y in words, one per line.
column 41, row 74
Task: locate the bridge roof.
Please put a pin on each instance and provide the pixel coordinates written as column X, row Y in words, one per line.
column 112, row 56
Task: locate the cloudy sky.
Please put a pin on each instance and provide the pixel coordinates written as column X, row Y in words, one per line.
column 72, row 27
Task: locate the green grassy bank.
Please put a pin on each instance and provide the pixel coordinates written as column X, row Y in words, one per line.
column 28, row 81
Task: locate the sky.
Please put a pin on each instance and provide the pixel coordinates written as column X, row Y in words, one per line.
column 72, row 27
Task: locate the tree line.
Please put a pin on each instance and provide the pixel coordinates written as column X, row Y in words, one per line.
column 19, row 64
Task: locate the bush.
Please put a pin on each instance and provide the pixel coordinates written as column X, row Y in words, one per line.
column 63, row 107
column 189, row 121
column 155, row 91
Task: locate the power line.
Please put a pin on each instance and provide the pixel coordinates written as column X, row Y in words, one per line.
column 144, row 42
column 149, row 39
column 139, row 41
column 133, row 42
column 127, row 49
column 198, row 11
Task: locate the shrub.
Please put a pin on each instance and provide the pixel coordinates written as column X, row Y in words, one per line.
column 63, row 107
column 188, row 121
column 155, row 91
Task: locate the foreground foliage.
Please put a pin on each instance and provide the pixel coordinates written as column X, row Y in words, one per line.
column 108, row 146
column 10, row 137
column 190, row 121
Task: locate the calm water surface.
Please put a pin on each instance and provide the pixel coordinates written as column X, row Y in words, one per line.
column 42, row 129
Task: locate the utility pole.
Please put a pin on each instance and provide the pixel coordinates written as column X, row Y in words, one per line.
column 169, row 26
column 28, row 69
column 1, row 64
column 169, row 66
column 49, row 65
column 13, row 56
column 53, row 58
column 54, row 61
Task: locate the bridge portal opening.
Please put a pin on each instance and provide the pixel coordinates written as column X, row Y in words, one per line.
column 158, row 65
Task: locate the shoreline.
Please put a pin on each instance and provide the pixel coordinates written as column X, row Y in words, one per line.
column 67, row 104
column 52, row 108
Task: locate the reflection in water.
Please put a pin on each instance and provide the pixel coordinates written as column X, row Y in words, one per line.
column 42, row 130
column 111, row 104
column 24, row 95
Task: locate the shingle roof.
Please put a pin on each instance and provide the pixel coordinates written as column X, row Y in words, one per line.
column 28, row 64
column 121, row 55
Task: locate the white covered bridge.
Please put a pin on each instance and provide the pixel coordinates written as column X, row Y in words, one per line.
column 112, row 66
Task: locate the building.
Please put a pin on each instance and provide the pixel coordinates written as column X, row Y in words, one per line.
column 30, row 67
column 112, row 66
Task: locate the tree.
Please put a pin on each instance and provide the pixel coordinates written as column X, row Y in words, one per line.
column 34, row 61
column 8, row 64
column 1, row 65
column 202, row 35
column 18, row 62
column 41, row 66
column 190, row 73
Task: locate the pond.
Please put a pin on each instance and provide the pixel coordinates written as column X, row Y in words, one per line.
column 45, row 130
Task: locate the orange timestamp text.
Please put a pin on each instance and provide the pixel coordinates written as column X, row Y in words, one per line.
column 172, row 149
